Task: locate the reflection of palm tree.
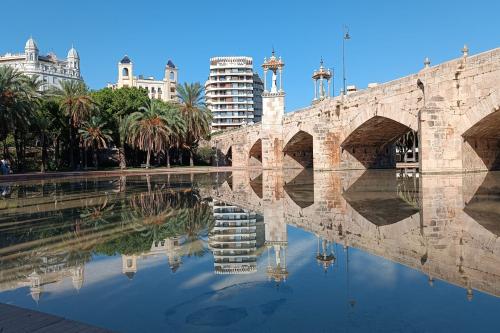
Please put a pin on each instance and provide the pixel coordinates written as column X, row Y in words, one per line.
column 199, row 220
column 96, row 214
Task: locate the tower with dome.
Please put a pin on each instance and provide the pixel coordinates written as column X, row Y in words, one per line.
column 50, row 70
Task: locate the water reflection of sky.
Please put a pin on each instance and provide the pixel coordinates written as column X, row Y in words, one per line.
column 367, row 293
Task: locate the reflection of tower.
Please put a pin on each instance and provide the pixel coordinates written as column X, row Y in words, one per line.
column 277, row 242
column 169, row 246
column 129, row 265
column 35, row 286
column 77, row 277
column 275, row 226
column 319, row 77
column 233, row 240
column 325, row 255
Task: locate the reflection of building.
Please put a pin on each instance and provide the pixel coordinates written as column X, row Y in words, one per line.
column 234, row 240
column 171, row 247
column 50, row 70
column 325, row 256
column 165, row 89
column 233, row 92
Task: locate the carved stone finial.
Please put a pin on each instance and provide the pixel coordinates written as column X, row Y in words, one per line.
column 465, row 50
column 427, row 62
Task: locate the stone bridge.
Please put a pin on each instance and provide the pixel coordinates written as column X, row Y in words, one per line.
column 454, row 107
column 445, row 226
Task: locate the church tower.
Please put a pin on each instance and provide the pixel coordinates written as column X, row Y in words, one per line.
column 170, row 80
column 73, row 59
column 125, row 72
column 273, row 110
column 31, row 51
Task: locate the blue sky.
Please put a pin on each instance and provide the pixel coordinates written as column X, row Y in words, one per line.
column 389, row 38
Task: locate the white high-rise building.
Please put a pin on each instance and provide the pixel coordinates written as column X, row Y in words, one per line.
column 233, row 240
column 233, row 92
column 49, row 69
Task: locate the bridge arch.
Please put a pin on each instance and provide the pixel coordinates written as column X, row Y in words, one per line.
column 481, row 134
column 255, row 154
column 372, row 144
column 298, row 151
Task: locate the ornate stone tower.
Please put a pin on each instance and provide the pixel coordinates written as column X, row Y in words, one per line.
column 319, row 77
column 273, row 110
column 31, row 51
column 170, row 80
column 125, row 72
column 73, row 59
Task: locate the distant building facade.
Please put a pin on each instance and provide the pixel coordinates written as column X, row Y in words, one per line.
column 50, row 70
column 165, row 89
column 233, row 92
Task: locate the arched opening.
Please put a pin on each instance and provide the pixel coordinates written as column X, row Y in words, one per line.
column 256, row 185
column 301, row 188
column 384, row 197
column 125, row 72
column 172, row 76
column 379, row 143
column 298, row 152
column 255, row 155
column 483, row 207
column 481, row 148
column 228, row 157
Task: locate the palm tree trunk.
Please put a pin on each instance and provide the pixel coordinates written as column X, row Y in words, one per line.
column 147, row 158
column 96, row 160
column 5, row 149
column 191, row 161
column 56, row 152
column 168, row 158
column 121, row 157
column 85, row 156
column 71, row 146
column 44, row 152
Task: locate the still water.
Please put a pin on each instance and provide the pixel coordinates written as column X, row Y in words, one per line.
column 248, row 251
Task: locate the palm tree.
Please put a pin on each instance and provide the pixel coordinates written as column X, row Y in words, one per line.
column 95, row 135
column 19, row 98
column 195, row 114
column 150, row 128
column 77, row 104
column 178, row 128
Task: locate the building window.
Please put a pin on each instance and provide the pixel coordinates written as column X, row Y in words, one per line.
column 125, row 72
column 172, row 76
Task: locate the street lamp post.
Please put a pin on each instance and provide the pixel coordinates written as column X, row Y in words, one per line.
column 345, row 37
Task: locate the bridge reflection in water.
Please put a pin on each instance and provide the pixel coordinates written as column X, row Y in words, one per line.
column 446, row 226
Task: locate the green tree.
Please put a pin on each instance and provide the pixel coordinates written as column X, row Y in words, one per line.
column 151, row 128
column 19, row 98
column 196, row 115
column 77, row 104
column 116, row 105
column 95, row 134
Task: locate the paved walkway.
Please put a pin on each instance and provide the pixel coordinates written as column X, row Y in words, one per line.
column 15, row 319
column 110, row 173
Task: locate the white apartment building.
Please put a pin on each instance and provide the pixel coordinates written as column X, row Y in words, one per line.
column 165, row 89
column 49, row 69
column 233, row 92
column 233, row 240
